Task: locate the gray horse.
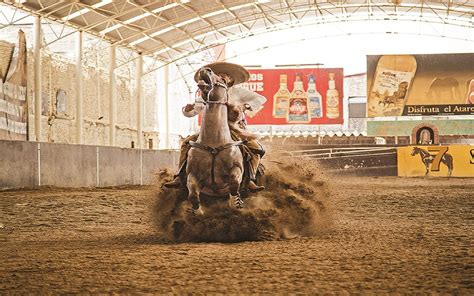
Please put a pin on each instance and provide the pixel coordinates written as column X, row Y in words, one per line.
column 215, row 162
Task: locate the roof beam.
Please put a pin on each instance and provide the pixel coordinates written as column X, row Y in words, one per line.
column 263, row 13
column 155, row 50
column 234, row 15
column 86, row 9
column 158, row 16
column 200, row 17
column 113, row 18
column 290, row 10
column 128, row 26
column 157, row 12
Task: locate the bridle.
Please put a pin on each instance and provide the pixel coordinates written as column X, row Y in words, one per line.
column 206, row 101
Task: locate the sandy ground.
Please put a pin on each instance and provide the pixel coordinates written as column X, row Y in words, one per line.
column 386, row 235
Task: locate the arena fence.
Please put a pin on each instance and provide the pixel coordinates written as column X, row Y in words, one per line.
column 31, row 164
column 370, row 161
column 338, row 152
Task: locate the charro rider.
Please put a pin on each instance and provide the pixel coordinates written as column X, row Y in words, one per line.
column 240, row 100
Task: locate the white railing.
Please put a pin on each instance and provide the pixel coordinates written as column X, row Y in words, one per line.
column 323, row 153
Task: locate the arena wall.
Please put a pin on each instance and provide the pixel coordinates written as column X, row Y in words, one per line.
column 18, row 164
column 67, row 165
column 33, row 164
column 125, row 161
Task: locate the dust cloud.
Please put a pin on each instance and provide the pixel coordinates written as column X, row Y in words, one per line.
column 295, row 203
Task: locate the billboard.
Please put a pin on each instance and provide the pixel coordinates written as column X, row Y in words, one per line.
column 297, row 96
column 413, row 85
column 437, row 161
column 13, row 102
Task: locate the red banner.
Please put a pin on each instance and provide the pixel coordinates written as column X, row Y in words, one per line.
column 298, row 96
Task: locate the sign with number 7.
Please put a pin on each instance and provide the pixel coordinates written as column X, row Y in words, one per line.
column 438, row 157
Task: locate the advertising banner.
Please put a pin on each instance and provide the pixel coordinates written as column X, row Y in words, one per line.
column 438, row 161
column 297, row 96
column 429, row 84
column 13, row 102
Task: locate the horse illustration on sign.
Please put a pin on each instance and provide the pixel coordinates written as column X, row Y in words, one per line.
column 432, row 161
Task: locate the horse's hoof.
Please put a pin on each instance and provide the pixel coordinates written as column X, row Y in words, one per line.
column 238, row 203
column 197, row 212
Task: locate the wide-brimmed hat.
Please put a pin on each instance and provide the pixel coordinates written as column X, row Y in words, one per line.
column 237, row 72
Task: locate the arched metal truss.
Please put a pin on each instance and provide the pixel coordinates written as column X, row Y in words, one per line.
column 173, row 30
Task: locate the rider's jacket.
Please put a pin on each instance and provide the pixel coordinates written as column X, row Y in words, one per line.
column 237, row 96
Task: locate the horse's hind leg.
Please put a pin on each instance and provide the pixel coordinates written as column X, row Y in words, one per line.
column 235, row 178
column 448, row 161
column 450, row 169
column 193, row 195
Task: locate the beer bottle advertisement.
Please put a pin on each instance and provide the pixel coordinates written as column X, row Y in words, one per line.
column 298, row 103
column 297, row 96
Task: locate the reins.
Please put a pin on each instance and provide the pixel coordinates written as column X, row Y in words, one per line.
column 207, row 102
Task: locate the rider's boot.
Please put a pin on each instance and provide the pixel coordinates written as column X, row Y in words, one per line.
column 175, row 183
column 254, row 187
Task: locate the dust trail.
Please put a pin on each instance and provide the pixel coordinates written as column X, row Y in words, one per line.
column 296, row 202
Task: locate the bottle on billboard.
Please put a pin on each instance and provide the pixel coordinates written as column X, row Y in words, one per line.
column 390, row 85
column 314, row 98
column 470, row 93
column 298, row 103
column 281, row 98
column 332, row 99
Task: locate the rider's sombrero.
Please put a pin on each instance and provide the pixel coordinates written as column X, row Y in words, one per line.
column 239, row 73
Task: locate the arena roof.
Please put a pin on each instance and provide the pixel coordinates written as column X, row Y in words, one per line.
column 171, row 30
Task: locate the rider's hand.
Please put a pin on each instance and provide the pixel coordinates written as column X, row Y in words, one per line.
column 189, row 107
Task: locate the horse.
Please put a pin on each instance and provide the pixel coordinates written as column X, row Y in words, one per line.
column 387, row 101
column 427, row 159
column 215, row 164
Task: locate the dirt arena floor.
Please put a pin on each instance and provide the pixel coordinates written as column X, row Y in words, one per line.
column 386, row 235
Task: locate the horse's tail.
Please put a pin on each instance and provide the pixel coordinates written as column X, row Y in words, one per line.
column 242, row 134
column 449, row 163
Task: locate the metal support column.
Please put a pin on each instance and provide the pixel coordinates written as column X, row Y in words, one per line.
column 112, row 101
column 167, row 111
column 79, row 118
column 37, row 76
column 138, row 89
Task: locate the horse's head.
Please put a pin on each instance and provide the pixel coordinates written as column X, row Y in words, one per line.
column 213, row 87
column 415, row 150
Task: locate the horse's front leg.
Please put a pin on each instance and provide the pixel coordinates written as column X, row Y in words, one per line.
column 235, row 177
column 193, row 195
